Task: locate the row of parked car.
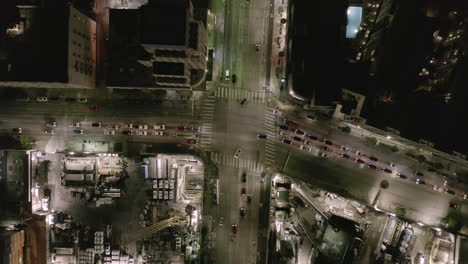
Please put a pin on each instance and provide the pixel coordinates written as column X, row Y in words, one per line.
column 53, row 98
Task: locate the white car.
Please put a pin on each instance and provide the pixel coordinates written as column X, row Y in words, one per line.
column 128, row 126
column 142, row 126
column 160, row 127
column 49, row 131
column 74, row 124
column 42, row 99
column 304, row 148
column 82, row 100
column 109, row 132
column 142, row 133
column 113, row 126
column 238, row 152
column 158, row 133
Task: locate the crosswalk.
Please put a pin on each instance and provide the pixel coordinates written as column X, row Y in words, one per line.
column 229, row 160
column 207, row 122
column 271, row 132
column 235, row 93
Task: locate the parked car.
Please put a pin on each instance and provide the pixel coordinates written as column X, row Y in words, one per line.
column 344, row 155
column 82, row 100
column 142, row 127
column 328, row 142
column 109, row 132
column 79, row 131
column 372, row 166
column 94, row 108
column 160, row 127
column 234, row 78
column 249, row 198
column 296, row 138
column 261, row 136
column 70, row 99
column 449, row 191
column 127, row 132
column 299, row 132
column 283, row 127
column 141, row 133
column 243, row 101
column 158, row 133
column 23, row 99
column 286, row 141
column 418, row 173
column 77, row 124
column 18, row 130
column 42, row 99
column 128, row 125
column 51, row 124
column 402, row 176
column 312, row 137
column 373, row 158
column 453, row 205
column 243, row 191
column 98, row 124
column 358, row 160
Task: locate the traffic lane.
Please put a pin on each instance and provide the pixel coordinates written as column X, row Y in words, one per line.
column 363, row 183
column 230, row 185
column 339, row 138
column 122, row 110
column 238, row 130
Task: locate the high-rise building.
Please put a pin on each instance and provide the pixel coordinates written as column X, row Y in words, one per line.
column 160, row 45
column 50, row 46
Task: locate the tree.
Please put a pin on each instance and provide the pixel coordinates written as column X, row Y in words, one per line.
column 394, row 148
column 384, row 184
column 453, row 222
column 346, row 129
column 25, row 142
column 399, row 211
column 372, row 140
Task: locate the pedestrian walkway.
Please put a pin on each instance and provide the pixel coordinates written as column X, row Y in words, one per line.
column 235, row 93
column 272, row 133
column 207, row 122
column 229, row 160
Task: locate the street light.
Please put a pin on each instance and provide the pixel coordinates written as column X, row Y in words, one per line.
column 389, row 137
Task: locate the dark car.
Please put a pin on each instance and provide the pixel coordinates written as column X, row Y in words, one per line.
column 242, row 211
column 96, row 124
column 344, row 155
column 286, row 141
column 288, row 122
column 358, row 160
column 402, row 176
column 70, row 99
column 453, row 205
column 180, row 128
column 257, row 48
column 387, row 170
column 296, row 138
column 283, row 127
column 249, row 198
column 234, row 229
column 449, row 191
column 243, row 101
column 127, row 132
column 234, row 79
column 419, row 181
column 94, row 108
column 373, row 158
column 243, row 190
column 299, row 132
column 192, row 141
column 372, row 166
column 328, row 142
column 244, row 177
column 325, row 148
column 261, row 136
column 312, row 137
column 418, row 173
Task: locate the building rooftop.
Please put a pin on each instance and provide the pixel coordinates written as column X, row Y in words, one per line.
column 158, row 17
